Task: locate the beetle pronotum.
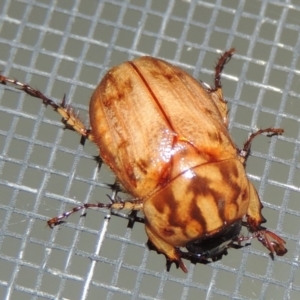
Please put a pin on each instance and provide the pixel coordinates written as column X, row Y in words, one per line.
column 165, row 136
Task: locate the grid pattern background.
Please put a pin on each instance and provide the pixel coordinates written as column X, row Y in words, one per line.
column 65, row 47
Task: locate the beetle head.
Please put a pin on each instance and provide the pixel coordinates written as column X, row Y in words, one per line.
column 213, row 247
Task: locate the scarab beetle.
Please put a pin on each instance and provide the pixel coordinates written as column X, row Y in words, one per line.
column 165, row 136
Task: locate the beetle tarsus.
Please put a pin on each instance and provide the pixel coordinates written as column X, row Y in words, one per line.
column 223, row 60
column 270, row 240
column 245, row 152
column 60, row 219
column 69, row 118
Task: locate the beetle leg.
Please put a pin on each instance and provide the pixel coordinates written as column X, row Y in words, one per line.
column 223, row 60
column 172, row 254
column 60, row 219
column 216, row 92
column 244, row 153
column 254, row 216
column 114, row 205
column 70, row 118
column 273, row 242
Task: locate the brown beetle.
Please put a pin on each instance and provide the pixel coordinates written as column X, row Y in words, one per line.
column 165, row 136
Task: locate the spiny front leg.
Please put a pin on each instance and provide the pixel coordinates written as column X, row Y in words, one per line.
column 171, row 253
column 70, row 118
column 273, row 242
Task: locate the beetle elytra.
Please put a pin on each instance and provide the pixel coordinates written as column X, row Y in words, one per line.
column 165, row 136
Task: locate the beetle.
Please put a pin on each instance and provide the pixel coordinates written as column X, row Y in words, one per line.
column 165, row 136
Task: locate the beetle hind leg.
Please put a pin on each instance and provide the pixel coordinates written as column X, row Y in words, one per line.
column 115, row 206
column 216, row 92
column 70, row 117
